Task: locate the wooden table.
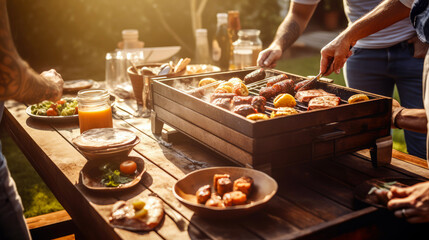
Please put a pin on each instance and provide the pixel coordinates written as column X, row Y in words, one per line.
column 314, row 201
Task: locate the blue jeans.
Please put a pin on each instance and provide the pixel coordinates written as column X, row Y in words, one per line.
column 378, row 70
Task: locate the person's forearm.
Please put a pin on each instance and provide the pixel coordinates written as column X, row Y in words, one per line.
column 293, row 25
column 17, row 80
column 412, row 119
column 385, row 14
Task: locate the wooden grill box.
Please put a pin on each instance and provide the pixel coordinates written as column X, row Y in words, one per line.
column 282, row 141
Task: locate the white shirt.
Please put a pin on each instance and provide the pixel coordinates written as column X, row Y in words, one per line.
column 396, row 33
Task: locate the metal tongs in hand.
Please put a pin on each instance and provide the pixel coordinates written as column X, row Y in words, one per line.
column 311, row 84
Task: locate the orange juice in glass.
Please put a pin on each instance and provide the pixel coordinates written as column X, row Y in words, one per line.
column 94, row 109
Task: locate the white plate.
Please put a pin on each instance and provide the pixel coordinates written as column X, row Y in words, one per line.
column 159, row 54
column 52, row 118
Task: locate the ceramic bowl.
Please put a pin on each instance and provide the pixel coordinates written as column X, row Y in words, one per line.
column 264, row 189
column 114, row 153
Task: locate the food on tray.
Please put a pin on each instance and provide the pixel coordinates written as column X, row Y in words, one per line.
column 203, row 90
column 254, row 76
column 222, row 102
column 181, row 65
column 225, row 87
column 203, row 194
column 300, row 84
column 200, row 68
column 103, row 138
column 358, row 98
column 139, row 214
column 206, row 81
column 244, row 110
column 240, row 89
column 258, row 102
column 283, row 111
column 114, row 176
column 323, row 102
column 235, row 80
column 63, row 107
column 234, row 85
column 221, row 95
column 284, row 86
column 284, row 100
column 257, row 116
column 275, row 79
column 307, row 95
column 225, row 193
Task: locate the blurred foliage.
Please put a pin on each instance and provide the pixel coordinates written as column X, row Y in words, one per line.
column 74, row 36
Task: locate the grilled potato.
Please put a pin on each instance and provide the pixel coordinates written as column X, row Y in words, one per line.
column 357, row 98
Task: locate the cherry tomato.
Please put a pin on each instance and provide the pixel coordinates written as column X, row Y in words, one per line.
column 51, row 112
column 54, row 106
column 76, row 110
column 59, row 102
column 128, row 167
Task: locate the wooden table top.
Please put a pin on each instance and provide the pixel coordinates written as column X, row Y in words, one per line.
column 314, row 200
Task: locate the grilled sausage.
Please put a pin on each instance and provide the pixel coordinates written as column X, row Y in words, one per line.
column 240, row 100
column 221, row 95
column 258, row 102
column 267, row 92
column 244, row 110
column 273, row 80
column 285, row 86
column 300, row 84
column 254, row 76
column 223, row 103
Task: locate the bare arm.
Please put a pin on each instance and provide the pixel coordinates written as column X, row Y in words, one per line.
column 17, row 80
column 385, row 14
column 288, row 32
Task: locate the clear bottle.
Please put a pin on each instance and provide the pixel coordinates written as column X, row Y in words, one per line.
column 202, row 53
column 234, row 26
column 94, row 109
column 247, row 48
column 221, row 46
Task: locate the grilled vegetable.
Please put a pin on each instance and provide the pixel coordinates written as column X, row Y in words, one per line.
column 358, row 98
column 257, row 116
column 283, row 111
column 284, row 100
column 254, row 76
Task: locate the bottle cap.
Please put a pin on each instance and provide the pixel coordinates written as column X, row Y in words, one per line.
column 201, row 32
column 130, row 34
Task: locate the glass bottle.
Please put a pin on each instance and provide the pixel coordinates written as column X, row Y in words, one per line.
column 94, row 109
column 233, row 27
column 202, row 53
column 221, row 46
column 247, row 48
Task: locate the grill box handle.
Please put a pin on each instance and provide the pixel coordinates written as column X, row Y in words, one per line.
column 331, row 136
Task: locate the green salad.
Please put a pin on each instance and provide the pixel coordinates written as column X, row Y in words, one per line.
column 63, row 107
column 113, row 177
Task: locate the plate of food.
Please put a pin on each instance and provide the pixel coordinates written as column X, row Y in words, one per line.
column 65, row 109
column 366, row 191
column 138, row 214
column 225, row 192
column 112, row 175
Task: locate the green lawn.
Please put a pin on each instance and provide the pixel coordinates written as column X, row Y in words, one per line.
column 38, row 199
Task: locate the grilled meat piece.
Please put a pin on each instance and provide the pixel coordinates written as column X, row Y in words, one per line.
column 244, row 109
column 215, row 201
column 258, row 102
column 216, row 177
column 285, row 86
column 224, row 185
column 243, row 184
column 203, row 194
column 300, row 84
column 267, row 92
column 221, row 95
column 223, row 103
column 307, row 95
column 273, row 80
column 240, row 100
column 323, row 102
column 254, row 76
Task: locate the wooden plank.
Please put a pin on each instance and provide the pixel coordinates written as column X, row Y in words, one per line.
column 409, row 158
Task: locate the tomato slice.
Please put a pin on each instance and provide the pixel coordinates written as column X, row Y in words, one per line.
column 59, row 102
column 51, row 112
column 128, row 167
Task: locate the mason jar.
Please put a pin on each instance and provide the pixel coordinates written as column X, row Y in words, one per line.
column 94, row 109
column 247, row 48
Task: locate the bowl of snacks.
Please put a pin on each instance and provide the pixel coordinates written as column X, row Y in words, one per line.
column 106, row 143
column 225, row 192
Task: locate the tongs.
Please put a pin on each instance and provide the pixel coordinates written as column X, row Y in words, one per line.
column 313, row 81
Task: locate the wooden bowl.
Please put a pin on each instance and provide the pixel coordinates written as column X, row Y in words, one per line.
column 91, row 175
column 264, row 189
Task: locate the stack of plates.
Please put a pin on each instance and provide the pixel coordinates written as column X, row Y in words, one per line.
column 106, row 143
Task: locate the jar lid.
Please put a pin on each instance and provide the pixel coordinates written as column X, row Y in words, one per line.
column 248, row 32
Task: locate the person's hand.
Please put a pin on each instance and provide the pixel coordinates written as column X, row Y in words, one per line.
column 268, row 57
column 420, row 48
column 56, row 82
column 411, row 203
column 396, row 109
column 337, row 52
